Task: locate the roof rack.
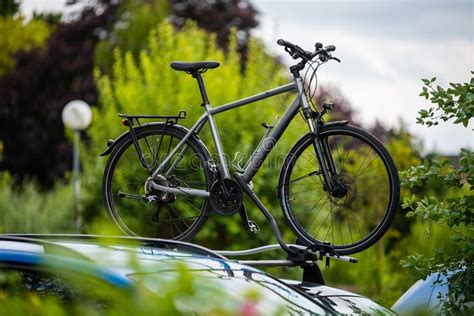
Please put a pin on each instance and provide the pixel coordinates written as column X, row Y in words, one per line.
column 289, row 262
column 306, row 259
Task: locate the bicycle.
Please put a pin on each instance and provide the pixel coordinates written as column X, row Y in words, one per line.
column 337, row 181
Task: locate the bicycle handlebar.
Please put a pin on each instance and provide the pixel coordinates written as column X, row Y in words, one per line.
column 330, row 48
column 297, row 52
column 294, row 50
column 284, row 43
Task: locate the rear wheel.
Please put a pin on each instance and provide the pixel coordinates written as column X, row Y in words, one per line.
column 136, row 207
column 356, row 214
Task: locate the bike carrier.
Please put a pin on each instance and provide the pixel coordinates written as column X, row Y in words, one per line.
column 306, row 258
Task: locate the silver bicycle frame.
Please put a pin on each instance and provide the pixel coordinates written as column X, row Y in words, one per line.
column 259, row 155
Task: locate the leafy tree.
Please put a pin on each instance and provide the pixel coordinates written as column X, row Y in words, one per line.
column 32, row 97
column 455, row 103
column 219, row 17
column 8, row 8
column 135, row 19
column 18, row 35
column 455, row 206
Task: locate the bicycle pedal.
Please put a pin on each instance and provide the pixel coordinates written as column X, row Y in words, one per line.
column 253, row 227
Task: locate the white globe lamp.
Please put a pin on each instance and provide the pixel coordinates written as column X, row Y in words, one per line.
column 77, row 115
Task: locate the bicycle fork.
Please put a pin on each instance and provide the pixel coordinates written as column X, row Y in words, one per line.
column 325, row 160
column 321, row 146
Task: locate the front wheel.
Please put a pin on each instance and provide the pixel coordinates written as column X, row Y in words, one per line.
column 359, row 212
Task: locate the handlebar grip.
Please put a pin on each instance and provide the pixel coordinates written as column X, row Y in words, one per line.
column 284, row 43
column 330, row 48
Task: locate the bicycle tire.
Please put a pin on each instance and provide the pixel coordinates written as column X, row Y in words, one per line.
column 358, row 204
column 125, row 150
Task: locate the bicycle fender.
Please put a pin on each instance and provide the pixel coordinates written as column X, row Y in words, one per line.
column 344, row 122
column 112, row 143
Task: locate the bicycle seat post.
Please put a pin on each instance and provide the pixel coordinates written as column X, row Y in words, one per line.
column 202, row 88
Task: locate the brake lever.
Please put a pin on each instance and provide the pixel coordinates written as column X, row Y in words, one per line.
column 292, row 53
column 336, row 59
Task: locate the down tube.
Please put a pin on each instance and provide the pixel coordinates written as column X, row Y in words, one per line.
column 259, row 155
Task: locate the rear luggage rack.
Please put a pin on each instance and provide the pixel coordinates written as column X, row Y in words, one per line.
column 131, row 120
column 172, row 119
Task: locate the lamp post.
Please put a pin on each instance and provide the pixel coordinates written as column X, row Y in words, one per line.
column 77, row 115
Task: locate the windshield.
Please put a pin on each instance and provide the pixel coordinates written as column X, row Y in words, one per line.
column 232, row 290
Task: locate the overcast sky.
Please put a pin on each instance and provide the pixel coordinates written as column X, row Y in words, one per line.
column 386, row 47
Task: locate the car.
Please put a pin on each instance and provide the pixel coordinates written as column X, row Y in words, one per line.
column 428, row 295
column 188, row 277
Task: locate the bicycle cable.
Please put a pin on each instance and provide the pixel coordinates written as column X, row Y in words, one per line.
column 311, row 92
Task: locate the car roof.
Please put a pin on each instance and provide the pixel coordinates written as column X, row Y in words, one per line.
column 117, row 251
column 151, row 242
column 112, row 252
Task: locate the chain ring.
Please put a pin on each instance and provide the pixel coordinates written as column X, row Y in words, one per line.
column 222, row 204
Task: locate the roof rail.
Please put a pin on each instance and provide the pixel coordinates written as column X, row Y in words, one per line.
column 149, row 242
column 49, row 247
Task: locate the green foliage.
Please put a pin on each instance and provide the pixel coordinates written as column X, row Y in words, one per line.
column 135, row 20
column 453, row 204
column 455, row 102
column 28, row 209
column 17, row 34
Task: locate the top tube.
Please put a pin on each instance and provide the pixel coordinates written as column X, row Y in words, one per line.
column 260, row 96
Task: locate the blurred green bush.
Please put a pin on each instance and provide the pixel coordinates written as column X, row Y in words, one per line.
column 28, row 208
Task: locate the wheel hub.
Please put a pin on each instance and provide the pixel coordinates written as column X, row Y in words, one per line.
column 344, row 190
